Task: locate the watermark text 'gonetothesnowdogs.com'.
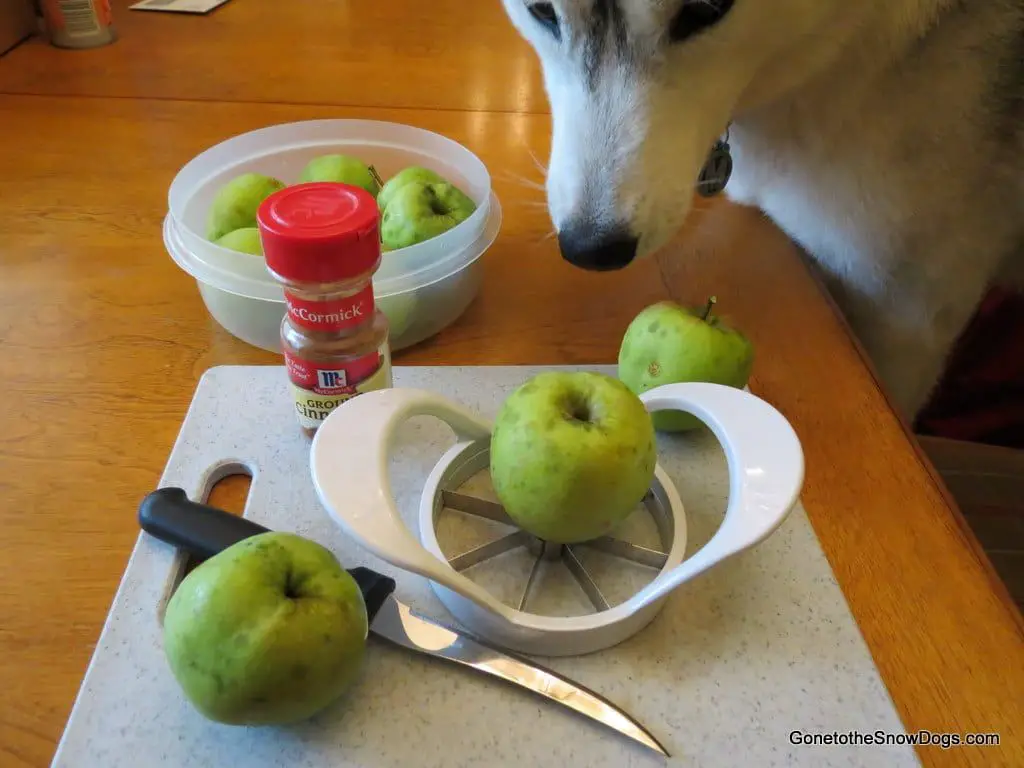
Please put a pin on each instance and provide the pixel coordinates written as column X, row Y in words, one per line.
column 889, row 739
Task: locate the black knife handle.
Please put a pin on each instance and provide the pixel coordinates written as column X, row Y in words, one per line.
column 376, row 588
column 201, row 530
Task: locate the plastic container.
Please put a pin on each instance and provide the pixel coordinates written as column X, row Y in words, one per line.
column 422, row 289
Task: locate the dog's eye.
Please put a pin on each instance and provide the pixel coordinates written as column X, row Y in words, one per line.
column 545, row 15
column 695, row 16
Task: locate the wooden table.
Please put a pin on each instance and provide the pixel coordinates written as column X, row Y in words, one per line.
column 95, row 313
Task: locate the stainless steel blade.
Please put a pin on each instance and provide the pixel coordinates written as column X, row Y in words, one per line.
column 397, row 623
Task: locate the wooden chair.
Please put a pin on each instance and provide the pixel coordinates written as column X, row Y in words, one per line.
column 987, row 483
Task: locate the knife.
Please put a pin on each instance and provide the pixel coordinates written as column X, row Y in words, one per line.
column 203, row 531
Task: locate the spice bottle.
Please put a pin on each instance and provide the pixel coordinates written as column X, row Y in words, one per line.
column 321, row 241
column 78, row 23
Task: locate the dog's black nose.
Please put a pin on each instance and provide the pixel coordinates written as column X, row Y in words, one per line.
column 597, row 249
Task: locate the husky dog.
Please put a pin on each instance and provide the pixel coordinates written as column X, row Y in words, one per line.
column 885, row 137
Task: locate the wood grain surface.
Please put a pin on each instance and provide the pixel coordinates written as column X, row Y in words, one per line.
column 104, row 337
column 440, row 55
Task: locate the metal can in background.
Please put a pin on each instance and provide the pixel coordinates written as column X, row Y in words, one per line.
column 78, row 23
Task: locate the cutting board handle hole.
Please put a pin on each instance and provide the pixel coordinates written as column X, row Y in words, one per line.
column 230, row 492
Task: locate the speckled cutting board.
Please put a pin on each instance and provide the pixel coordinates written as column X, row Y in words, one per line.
column 759, row 647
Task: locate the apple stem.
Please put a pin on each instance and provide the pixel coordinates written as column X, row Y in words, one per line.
column 376, row 176
column 707, row 310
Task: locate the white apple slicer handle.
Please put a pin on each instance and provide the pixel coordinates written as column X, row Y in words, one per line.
column 349, row 463
column 766, row 471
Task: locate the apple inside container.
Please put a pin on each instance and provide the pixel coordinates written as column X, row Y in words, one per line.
column 423, row 287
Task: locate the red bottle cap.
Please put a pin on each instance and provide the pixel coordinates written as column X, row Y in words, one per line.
column 321, row 232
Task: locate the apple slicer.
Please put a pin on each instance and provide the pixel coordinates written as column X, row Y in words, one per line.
column 528, row 595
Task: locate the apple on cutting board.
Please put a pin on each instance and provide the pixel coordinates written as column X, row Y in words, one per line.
column 266, row 632
column 572, row 454
column 668, row 343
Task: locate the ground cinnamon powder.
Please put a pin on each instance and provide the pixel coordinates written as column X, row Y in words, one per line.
column 321, row 241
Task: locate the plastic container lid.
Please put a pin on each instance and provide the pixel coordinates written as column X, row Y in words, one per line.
column 281, row 151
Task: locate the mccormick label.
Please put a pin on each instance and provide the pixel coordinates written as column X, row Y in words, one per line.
column 319, row 388
column 335, row 315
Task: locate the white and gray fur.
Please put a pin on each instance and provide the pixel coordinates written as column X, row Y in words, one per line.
column 886, row 137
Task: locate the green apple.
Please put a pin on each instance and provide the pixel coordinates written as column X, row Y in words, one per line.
column 343, row 169
column 235, row 204
column 244, row 240
column 668, row 343
column 423, row 210
column 403, row 177
column 267, row 632
column 572, row 453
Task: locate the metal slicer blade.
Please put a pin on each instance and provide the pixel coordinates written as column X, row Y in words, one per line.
column 481, row 541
